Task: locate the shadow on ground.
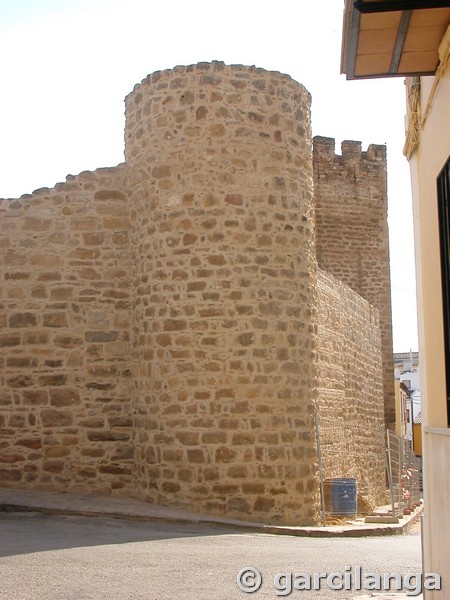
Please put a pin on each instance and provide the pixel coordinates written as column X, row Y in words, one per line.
column 27, row 532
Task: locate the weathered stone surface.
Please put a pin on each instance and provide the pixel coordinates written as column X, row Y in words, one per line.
column 165, row 330
column 101, row 336
column 123, row 421
column 64, row 396
column 34, row 442
column 352, row 233
column 234, row 199
column 263, row 504
column 53, row 466
column 162, row 171
column 35, row 337
column 246, row 339
column 56, row 418
column 61, row 293
column 67, row 341
column 36, row 224
column 19, row 381
column 114, row 469
column 9, row 457
column 175, row 325
column 225, row 455
column 55, row 320
column 10, row 475
column 9, row 340
column 56, row 451
column 22, row 320
column 21, row 361
column 107, row 436
column 52, row 380
column 123, row 452
column 112, row 195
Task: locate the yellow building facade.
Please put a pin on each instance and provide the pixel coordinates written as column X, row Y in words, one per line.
column 401, row 396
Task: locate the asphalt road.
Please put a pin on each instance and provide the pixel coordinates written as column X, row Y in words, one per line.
column 76, row 558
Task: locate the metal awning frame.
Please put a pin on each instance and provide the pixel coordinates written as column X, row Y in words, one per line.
column 359, row 7
column 364, row 6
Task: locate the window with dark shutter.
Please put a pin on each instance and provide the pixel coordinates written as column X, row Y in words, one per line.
column 443, row 189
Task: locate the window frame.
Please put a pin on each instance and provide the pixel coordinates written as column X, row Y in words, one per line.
column 443, row 196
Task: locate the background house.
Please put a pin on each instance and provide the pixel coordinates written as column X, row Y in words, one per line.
column 406, row 372
column 401, row 409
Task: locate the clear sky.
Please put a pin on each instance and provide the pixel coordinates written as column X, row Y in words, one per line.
column 66, row 66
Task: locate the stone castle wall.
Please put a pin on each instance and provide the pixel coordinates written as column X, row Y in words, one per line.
column 224, row 257
column 161, row 326
column 350, row 391
column 65, row 353
column 352, row 240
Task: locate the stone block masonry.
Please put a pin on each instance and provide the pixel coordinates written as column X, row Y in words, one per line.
column 225, row 279
column 160, row 321
column 352, row 240
column 349, row 407
column 65, row 350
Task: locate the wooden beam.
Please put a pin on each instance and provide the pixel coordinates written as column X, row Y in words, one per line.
column 352, row 44
column 399, row 42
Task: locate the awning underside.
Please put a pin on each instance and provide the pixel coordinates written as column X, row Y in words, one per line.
column 394, row 42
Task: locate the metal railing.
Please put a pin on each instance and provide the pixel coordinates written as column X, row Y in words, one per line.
column 352, row 465
column 404, row 471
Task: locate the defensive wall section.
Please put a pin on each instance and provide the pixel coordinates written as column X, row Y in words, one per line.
column 165, row 331
column 65, row 347
column 350, row 388
column 352, row 240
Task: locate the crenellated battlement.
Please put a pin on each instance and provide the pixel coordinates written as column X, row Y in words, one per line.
column 351, row 151
column 352, row 241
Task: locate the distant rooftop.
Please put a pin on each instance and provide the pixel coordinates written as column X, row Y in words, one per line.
column 403, row 357
column 406, row 355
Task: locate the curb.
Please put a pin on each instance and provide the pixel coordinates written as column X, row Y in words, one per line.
column 51, row 503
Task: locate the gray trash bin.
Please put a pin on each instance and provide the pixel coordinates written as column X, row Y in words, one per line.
column 341, row 496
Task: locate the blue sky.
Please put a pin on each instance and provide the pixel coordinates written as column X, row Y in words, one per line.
column 67, row 65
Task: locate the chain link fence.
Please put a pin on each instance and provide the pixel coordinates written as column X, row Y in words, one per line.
column 363, row 470
column 352, row 467
column 404, row 475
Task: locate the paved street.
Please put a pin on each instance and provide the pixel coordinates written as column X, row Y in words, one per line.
column 78, row 558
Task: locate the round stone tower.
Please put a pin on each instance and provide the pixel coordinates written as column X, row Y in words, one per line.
column 224, row 315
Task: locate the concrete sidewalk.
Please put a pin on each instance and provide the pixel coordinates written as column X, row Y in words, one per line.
column 130, row 508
